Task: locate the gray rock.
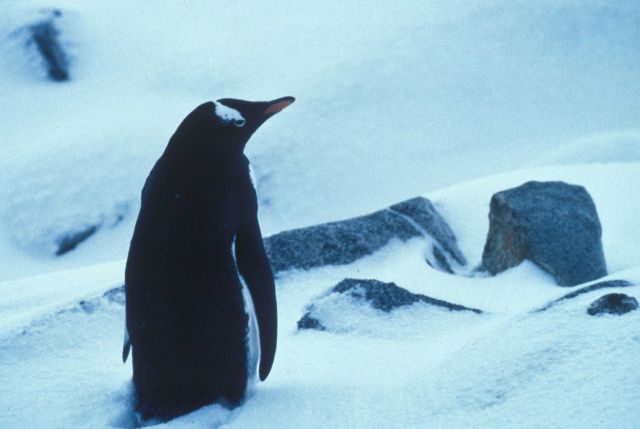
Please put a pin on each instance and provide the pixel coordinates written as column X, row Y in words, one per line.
column 424, row 214
column 336, row 243
column 343, row 242
column 613, row 303
column 379, row 295
column 310, row 322
column 553, row 224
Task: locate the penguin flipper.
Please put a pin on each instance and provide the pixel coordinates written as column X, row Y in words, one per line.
column 126, row 347
column 255, row 270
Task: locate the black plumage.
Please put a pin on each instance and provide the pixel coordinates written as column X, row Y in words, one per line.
column 185, row 313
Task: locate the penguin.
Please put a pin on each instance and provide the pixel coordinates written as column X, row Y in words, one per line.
column 196, row 242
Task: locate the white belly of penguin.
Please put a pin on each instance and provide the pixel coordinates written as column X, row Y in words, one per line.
column 253, row 333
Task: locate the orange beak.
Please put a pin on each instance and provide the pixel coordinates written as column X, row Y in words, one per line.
column 277, row 105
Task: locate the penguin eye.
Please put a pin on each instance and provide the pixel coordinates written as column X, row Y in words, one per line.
column 239, row 122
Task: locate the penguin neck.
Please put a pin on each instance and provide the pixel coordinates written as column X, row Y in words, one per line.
column 189, row 152
column 191, row 172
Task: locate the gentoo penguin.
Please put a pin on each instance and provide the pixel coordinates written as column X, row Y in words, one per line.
column 196, row 241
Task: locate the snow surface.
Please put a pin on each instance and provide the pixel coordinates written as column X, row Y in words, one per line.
column 623, row 146
column 413, row 367
column 454, row 100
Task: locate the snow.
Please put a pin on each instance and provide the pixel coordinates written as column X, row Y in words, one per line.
column 411, row 367
column 450, row 100
column 461, row 371
column 621, row 146
column 26, row 302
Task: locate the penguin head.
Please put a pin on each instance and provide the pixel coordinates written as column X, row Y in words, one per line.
column 222, row 128
column 245, row 117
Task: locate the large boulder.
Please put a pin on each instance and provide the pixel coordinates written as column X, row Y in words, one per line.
column 553, row 224
column 375, row 294
column 343, row 242
column 613, row 303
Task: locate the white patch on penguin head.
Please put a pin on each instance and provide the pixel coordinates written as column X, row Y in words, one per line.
column 228, row 116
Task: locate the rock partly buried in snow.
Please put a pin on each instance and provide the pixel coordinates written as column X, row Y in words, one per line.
column 343, row 242
column 613, row 303
column 378, row 295
column 90, row 306
column 425, row 216
column 553, row 224
column 44, row 35
column 607, row 284
column 116, row 295
column 70, row 240
column 336, row 243
column 86, row 189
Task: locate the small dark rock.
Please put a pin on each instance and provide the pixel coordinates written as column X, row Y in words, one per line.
column 613, row 303
column 379, row 295
column 343, row 242
column 70, row 240
column 44, row 35
column 310, row 322
column 89, row 306
column 553, row 224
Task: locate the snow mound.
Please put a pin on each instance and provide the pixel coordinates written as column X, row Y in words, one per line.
column 73, row 191
column 621, row 146
column 368, row 306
